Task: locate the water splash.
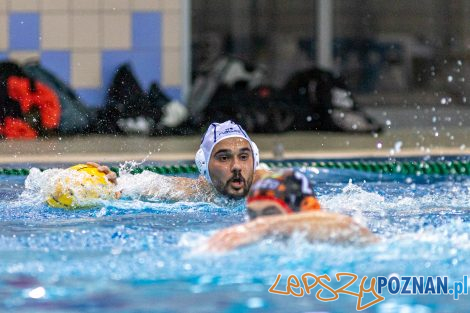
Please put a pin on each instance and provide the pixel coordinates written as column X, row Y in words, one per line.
column 143, row 247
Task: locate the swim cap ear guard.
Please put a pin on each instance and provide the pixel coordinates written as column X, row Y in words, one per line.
column 255, row 149
column 215, row 133
column 201, row 164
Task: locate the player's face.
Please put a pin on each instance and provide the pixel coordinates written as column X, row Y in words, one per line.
column 259, row 208
column 231, row 167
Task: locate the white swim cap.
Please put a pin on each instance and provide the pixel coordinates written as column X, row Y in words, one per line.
column 214, row 134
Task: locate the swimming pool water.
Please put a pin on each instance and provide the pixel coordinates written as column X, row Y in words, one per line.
column 134, row 255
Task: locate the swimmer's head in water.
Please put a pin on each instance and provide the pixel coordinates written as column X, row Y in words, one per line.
column 231, row 167
column 227, row 158
column 283, row 192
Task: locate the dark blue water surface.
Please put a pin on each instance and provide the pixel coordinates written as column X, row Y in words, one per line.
column 132, row 255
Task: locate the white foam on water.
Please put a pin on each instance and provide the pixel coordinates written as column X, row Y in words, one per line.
column 153, row 187
column 146, row 184
column 353, row 199
column 39, row 186
column 191, row 240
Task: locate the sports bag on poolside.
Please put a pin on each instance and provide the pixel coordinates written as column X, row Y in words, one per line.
column 75, row 116
column 28, row 107
column 323, row 102
column 130, row 110
column 225, row 72
column 263, row 109
column 232, row 90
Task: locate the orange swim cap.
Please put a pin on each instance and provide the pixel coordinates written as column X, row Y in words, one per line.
column 289, row 189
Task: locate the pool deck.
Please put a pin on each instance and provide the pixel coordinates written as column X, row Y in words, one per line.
column 393, row 143
column 408, row 132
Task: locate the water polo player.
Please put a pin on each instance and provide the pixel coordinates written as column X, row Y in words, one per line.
column 283, row 192
column 227, row 160
column 282, row 203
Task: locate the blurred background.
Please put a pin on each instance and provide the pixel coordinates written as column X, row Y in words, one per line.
column 379, row 46
column 84, row 41
column 391, row 54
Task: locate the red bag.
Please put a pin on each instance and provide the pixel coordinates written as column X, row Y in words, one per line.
column 21, row 96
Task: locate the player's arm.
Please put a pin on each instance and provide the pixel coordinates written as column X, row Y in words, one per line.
column 322, row 226
column 176, row 188
column 163, row 187
column 319, row 226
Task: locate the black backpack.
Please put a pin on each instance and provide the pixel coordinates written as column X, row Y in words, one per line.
column 128, row 109
column 232, row 89
column 324, row 102
column 131, row 110
column 263, row 109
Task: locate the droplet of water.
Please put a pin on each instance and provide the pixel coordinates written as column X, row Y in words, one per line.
column 394, row 275
column 398, row 145
column 116, row 250
column 37, row 293
column 102, row 212
column 255, row 303
column 278, row 151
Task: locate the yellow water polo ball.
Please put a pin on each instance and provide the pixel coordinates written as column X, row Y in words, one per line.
column 80, row 186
